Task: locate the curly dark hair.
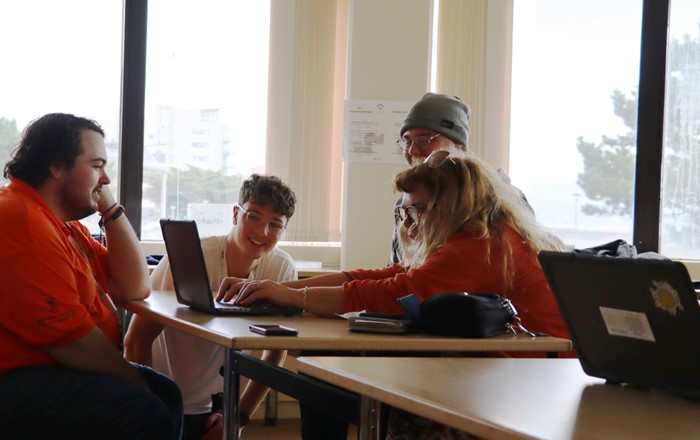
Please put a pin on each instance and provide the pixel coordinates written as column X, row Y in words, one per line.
column 268, row 190
column 49, row 140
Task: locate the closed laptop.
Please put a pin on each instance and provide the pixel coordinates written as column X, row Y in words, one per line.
column 632, row 321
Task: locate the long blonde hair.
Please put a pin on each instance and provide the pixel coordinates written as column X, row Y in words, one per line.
column 469, row 195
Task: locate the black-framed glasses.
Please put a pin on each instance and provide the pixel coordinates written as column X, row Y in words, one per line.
column 274, row 227
column 420, row 142
column 413, row 213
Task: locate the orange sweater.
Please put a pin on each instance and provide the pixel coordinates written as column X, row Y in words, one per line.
column 460, row 266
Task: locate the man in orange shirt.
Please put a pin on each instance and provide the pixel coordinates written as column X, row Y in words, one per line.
column 62, row 374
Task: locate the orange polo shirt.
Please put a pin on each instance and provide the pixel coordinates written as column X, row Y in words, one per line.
column 48, row 295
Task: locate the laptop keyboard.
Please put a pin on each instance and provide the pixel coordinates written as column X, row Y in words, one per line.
column 255, row 304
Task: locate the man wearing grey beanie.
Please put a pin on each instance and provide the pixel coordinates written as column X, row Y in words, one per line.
column 436, row 122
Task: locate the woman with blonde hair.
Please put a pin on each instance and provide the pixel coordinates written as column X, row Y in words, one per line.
column 469, row 197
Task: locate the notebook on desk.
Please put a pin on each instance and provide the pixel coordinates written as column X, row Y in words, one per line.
column 631, row 320
column 387, row 323
column 190, row 276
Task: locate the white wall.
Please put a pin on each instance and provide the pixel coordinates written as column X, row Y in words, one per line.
column 389, row 59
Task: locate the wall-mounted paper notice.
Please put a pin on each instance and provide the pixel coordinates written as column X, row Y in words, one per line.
column 371, row 130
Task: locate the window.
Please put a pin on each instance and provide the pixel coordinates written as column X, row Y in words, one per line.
column 59, row 61
column 680, row 208
column 575, row 83
column 206, row 107
column 193, row 84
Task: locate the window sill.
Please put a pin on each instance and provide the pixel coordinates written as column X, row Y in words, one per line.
column 693, row 267
column 307, row 253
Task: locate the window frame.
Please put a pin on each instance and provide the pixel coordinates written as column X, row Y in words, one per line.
column 132, row 109
column 650, row 125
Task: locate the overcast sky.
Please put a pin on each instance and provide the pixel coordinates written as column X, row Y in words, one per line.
column 568, row 59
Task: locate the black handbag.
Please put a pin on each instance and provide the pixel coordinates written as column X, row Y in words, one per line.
column 474, row 315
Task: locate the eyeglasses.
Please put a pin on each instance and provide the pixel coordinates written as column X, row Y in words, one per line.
column 437, row 158
column 255, row 220
column 420, row 142
column 411, row 213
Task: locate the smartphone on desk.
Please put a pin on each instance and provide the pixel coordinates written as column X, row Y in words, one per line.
column 273, row 330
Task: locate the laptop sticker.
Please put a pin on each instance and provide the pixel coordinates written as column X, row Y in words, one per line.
column 665, row 297
column 627, row 324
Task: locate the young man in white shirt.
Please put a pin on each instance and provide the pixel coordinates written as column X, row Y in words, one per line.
column 249, row 250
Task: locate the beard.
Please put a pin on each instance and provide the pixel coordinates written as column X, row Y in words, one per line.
column 76, row 203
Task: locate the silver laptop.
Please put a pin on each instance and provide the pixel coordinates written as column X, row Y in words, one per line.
column 190, row 276
column 632, row 321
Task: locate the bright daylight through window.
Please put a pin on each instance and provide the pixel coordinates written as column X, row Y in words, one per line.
column 574, row 115
column 206, row 109
column 46, row 69
column 575, row 120
column 680, row 233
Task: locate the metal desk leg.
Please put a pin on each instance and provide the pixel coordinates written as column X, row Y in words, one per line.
column 369, row 428
column 271, row 402
column 232, row 385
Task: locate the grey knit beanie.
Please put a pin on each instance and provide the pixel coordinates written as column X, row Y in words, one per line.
column 444, row 114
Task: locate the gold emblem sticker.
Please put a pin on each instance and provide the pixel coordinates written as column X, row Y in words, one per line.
column 665, row 297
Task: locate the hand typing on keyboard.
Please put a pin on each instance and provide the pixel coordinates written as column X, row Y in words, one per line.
column 258, row 303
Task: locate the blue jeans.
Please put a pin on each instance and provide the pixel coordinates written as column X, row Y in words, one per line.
column 60, row 402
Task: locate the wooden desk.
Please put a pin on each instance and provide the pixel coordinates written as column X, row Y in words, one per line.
column 307, row 272
column 511, row 398
column 314, row 334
